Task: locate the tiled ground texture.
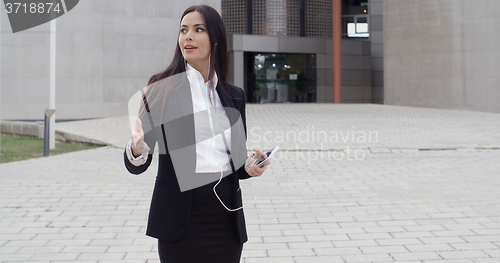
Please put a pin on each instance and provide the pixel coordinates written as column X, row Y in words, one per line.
column 337, row 199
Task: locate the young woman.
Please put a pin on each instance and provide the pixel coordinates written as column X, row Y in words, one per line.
column 195, row 225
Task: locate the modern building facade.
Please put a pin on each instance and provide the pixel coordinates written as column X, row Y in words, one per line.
column 281, row 50
column 440, row 54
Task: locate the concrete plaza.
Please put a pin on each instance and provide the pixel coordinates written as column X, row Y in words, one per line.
column 351, row 183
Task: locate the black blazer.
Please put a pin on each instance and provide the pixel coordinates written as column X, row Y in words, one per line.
column 170, row 208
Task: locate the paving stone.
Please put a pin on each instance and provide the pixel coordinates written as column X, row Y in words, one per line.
column 462, row 232
column 382, row 249
column 55, row 256
column 429, row 240
column 461, row 254
column 85, row 248
column 16, row 257
column 429, row 247
column 269, row 260
column 137, row 248
column 422, row 255
column 399, row 241
column 318, row 259
column 326, row 237
column 39, row 249
column 101, row 256
column 354, row 243
column 309, row 244
column 483, row 238
column 141, row 255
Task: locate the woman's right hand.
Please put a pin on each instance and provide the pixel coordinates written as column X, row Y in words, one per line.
column 138, row 145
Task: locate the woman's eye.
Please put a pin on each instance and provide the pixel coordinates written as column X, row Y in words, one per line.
column 199, row 29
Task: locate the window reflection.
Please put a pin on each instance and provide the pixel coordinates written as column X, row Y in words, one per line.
column 279, row 77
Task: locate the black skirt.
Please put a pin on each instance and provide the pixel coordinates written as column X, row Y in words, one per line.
column 211, row 233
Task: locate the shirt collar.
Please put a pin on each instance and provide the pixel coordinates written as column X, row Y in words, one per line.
column 193, row 74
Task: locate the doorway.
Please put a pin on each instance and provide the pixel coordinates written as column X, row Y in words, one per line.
column 280, row 77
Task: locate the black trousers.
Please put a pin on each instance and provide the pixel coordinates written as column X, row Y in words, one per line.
column 211, row 232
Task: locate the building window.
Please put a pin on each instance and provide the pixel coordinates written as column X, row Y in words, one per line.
column 355, row 19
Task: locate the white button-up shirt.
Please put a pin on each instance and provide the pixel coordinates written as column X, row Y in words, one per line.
column 211, row 155
column 210, row 120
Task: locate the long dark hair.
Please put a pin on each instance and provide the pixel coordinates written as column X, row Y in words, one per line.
column 219, row 57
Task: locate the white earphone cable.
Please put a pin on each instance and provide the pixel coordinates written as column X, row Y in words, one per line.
column 243, row 205
column 220, row 179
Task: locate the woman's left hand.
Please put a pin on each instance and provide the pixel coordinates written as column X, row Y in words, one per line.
column 255, row 170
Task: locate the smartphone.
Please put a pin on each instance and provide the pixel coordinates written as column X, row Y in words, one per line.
column 269, row 156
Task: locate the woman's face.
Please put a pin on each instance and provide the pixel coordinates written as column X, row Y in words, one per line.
column 193, row 39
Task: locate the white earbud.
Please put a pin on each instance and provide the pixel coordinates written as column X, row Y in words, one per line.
column 209, row 56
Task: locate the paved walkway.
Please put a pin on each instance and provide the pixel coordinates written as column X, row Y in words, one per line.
column 422, row 188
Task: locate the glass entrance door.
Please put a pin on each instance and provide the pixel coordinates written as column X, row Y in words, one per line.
column 280, row 77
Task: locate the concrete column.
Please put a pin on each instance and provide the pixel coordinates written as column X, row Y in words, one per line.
column 376, row 8
column 238, row 69
column 337, row 38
